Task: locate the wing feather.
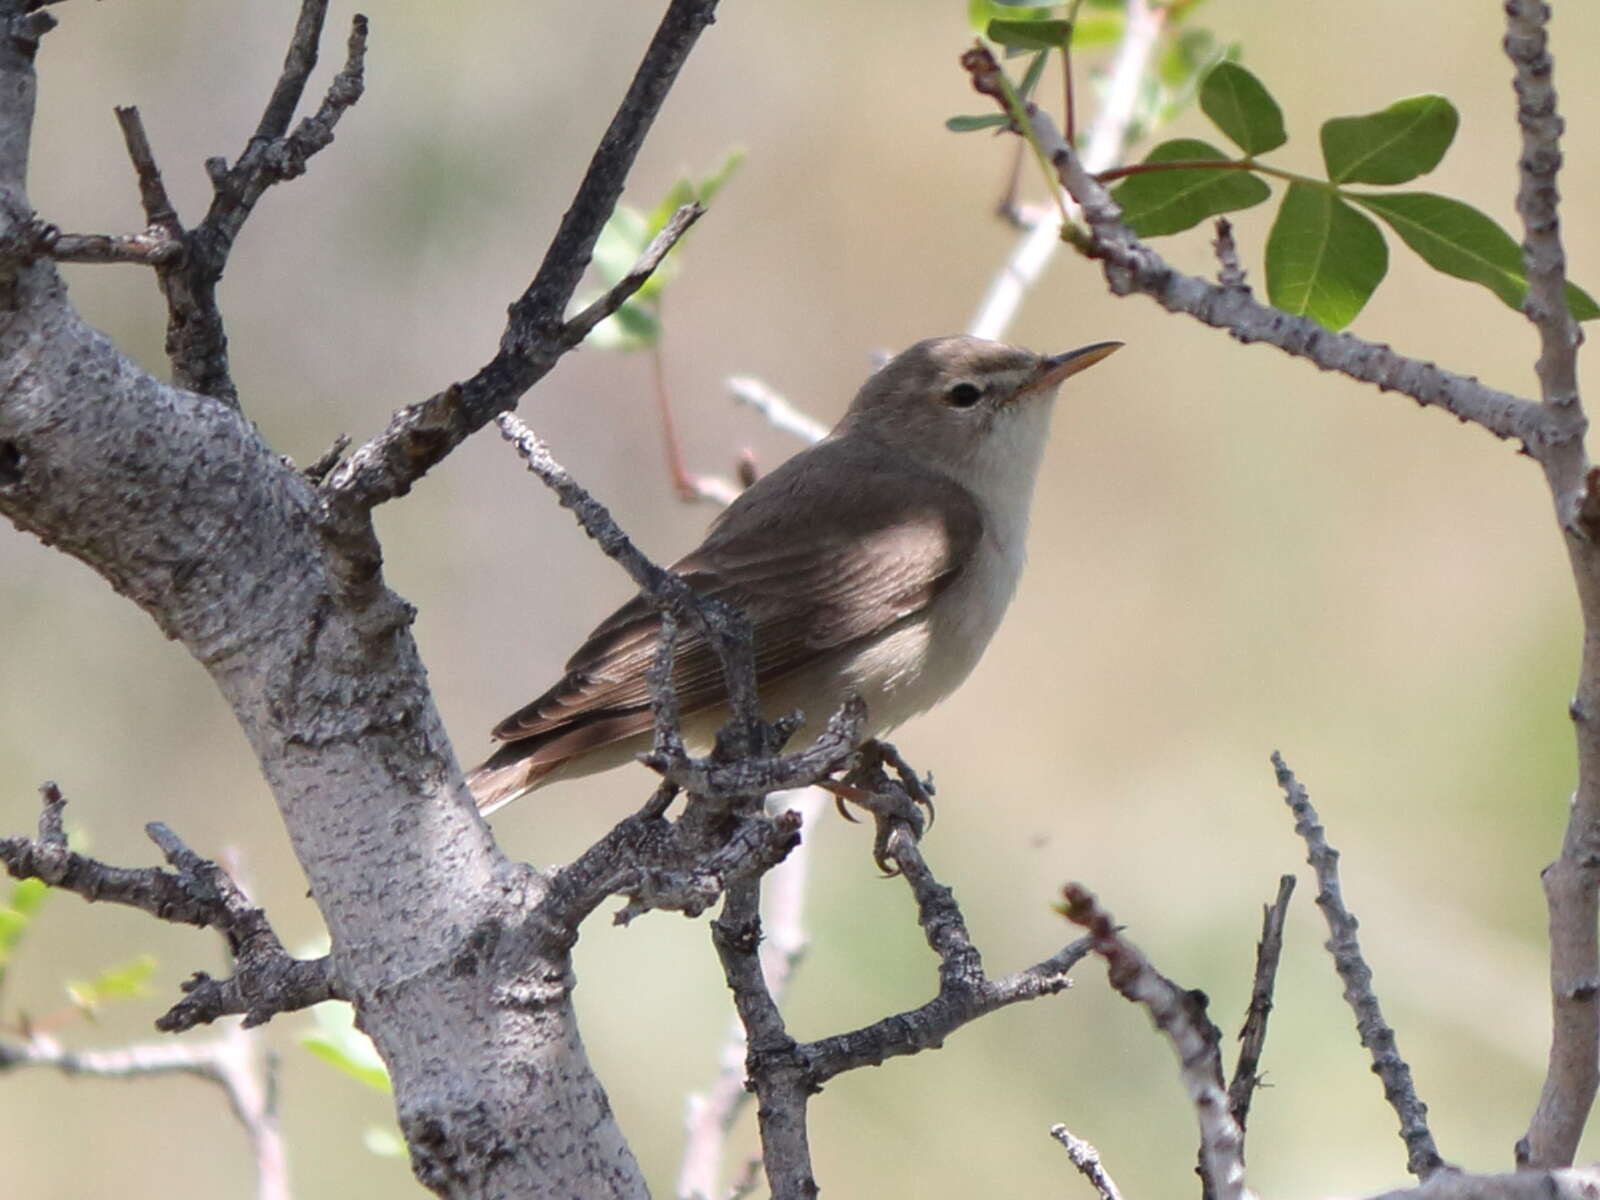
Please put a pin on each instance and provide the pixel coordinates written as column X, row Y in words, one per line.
column 830, row 549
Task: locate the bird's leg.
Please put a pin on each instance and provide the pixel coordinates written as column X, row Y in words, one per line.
column 901, row 799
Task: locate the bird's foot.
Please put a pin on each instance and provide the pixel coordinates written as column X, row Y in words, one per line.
column 903, row 799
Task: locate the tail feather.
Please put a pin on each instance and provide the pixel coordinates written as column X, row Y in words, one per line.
column 505, row 777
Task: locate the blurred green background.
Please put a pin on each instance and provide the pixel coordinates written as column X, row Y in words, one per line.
column 1231, row 553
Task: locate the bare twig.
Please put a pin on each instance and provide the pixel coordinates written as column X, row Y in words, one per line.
column 1087, row 1159
column 420, row 435
column 724, row 627
column 197, row 343
column 579, row 325
column 965, row 992
column 1230, row 274
column 784, row 1075
column 1181, row 1016
column 158, row 209
column 1581, row 1184
column 266, row 979
column 1571, row 882
column 234, row 1061
column 150, row 249
column 1106, row 141
column 713, row 1112
column 780, row 414
column 1422, row 1156
column 1253, row 1037
column 1538, row 202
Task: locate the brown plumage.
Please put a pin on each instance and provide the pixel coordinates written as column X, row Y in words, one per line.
column 836, row 558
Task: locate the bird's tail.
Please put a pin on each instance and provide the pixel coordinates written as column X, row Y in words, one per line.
column 504, row 777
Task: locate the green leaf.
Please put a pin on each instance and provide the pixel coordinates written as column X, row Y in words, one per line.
column 1403, row 141
column 384, row 1143
column 27, row 895
column 621, row 241
column 337, row 1042
column 1159, row 202
column 968, row 124
column 1324, row 259
column 1094, row 33
column 1029, row 35
column 123, row 982
column 1240, row 106
column 634, row 326
column 1457, row 239
column 981, row 12
column 1030, row 80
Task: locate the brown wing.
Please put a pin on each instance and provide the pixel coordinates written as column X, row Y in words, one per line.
column 807, row 553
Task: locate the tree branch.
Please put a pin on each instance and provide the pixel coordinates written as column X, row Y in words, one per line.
column 197, row 343
column 1253, row 1037
column 1181, row 1016
column 577, row 327
column 535, row 336
column 1087, row 1159
column 266, row 980
column 1132, row 267
column 1422, row 1156
column 1103, row 147
column 234, row 1061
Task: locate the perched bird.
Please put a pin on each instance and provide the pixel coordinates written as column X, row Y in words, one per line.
column 877, row 563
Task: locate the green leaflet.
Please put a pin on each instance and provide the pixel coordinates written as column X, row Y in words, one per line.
column 1457, row 239
column 1324, row 259
column 1170, row 201
column 1396, row 145
column 1242, row 108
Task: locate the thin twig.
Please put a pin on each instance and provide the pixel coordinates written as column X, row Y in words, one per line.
column 1107, row 139
column 1230, row 273
column 266, row 979
column 712, row 1113
column 579, row 325
column 158, row 209
column 1422, row 1156
column 150, row 249
column 234, row 1061
column 1087, row 1159
column 1253, row 1037
column 1181, row 1016
column 780, row 414
column 422, row 434
column 1571, row 882
column 1131, row 266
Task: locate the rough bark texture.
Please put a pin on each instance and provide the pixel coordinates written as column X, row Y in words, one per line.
column 178, row 503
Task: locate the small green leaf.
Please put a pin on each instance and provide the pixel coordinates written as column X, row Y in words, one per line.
column 1457, row 239
column 1403, row 141
column 634, row 326
column 384, row 1143
column 1029, row 35
column 1158, row 202
column 123, row 982
column 27, row 895
column 626, row 234
column 981, row 12
column 968, row 124
column 1092, row 33
column 1240, row 106
column 1030, row 80
column 1324, row 259
column 337, row 1042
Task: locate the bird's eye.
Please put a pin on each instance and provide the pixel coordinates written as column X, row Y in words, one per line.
column 963, row 395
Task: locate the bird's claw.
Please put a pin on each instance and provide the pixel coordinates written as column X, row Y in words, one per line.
column 891, row 801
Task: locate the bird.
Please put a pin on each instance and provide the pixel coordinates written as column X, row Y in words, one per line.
column 877, row 563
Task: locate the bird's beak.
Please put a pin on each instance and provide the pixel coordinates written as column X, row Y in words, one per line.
column 1058, row 367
